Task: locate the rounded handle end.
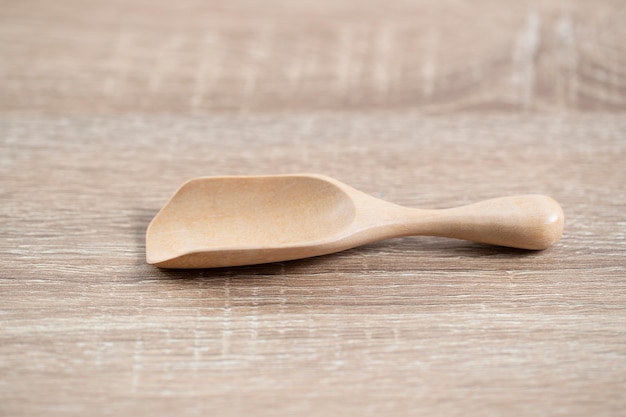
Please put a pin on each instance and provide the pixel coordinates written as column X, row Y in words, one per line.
column 546, row 221
column 532, row 222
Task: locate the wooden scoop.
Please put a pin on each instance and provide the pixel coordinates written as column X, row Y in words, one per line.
column 228, row 221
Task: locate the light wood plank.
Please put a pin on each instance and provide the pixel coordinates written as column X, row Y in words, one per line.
column 413, row 325
column 188, row 56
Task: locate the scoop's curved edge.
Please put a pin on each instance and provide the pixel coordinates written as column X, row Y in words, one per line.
column 248, row 256
column 254, row 255
column 151, row 257
column 178, row 260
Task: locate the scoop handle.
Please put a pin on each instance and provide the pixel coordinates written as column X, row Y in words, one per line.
column 525, row 221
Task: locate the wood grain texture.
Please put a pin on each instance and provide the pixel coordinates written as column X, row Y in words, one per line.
column 196, row 56
column 107, row 107
column 403, row 326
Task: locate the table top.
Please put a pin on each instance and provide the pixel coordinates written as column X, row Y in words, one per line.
column 106, row 107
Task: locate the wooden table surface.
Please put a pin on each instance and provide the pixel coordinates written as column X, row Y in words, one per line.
column 106, row 107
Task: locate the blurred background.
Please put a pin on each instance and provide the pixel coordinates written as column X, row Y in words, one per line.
column 195, row 56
